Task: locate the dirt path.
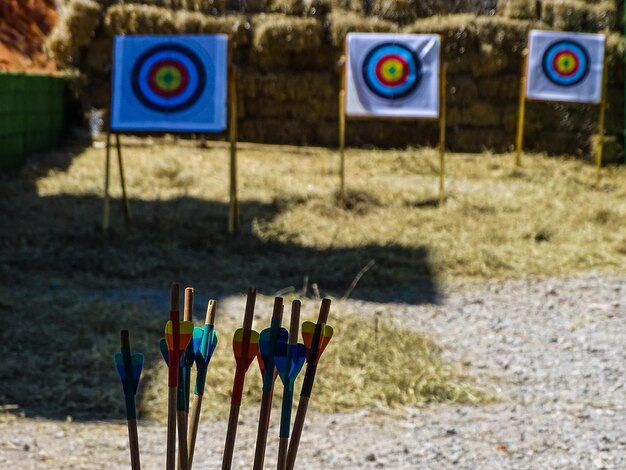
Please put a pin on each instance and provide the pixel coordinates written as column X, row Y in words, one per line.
column 552, row 349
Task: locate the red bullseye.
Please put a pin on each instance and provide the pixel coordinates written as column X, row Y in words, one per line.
column 168, row 78
column 565, row 63
column 392, row 70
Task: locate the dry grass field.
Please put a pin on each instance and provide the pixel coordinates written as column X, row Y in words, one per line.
column 67, row 288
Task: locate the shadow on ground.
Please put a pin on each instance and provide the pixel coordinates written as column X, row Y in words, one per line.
column 53, row 247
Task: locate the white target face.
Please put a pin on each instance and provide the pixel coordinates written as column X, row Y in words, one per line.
column 565, row 66
column 394, row 75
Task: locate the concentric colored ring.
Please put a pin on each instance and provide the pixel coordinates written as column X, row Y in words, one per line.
column 565, row 63
column 391, row 70
column 168, row 78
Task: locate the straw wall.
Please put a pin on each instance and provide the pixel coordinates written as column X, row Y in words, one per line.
column 288, row 59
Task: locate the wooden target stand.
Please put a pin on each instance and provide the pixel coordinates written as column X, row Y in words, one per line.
column 441, row 119
column 233, row 212
column 522, row 109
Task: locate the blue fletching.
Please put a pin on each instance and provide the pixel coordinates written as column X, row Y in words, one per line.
column 196, row 339
column 289, row 361
column 137, row 361
column 164, row 351
column 264, row 339
column 190, row 355
column 207, row 347
column 283, row 365
column 298, row 358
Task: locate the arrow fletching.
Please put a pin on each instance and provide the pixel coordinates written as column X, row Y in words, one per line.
column 264, row 347
column 289, row 361
column 207, row 346
column 164, row 351
column 253, row 347
column 192, row 347
column 137, row 361
column 186, row 330
column 308, row 329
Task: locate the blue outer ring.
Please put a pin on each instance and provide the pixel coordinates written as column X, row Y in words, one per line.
column 385, row 91
column 570, row 46
column 188, row 98
column 172, row 101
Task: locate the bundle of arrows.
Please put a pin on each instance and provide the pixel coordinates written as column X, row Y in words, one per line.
column 278, row 354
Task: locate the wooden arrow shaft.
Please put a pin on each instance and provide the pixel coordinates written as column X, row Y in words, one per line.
column 231, row 434
column 261, row 437
column 298, row 426
column 283, row 443
column 133, row 441
column 194, row 420
column 183, row 457
column 170, row 456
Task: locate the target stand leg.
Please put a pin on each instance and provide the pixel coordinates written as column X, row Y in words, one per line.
column 342, row 145
column 233, row 214
column 442, row 135
column 600, row 145
column 106, row 208
column 119, row 161
column 522, row 109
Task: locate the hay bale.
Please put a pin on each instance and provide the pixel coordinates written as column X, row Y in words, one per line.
column 558, row 143
column 253, row 6
column 358, row 6
column 383, row 133
column 399, row 11
column 481, row 45
column 288, row 7
column 236, row 26
column 468, row 139
column 100, row 56
column 320, row 60
column 477, row 114
column 615, row 49
column 203, row 6
column 317, row 8
column 612, row 148
column 461, row 90
column 577, row 15
column 289, row 86
column 460, row 42
column 615, row 110
column 308, row 112
column 479, row 7
column 75, row 30
column 500, row 88
column 406, row 11
column 520, row 9
column 139, row 19
column 344, row 22
column 277, row 34
column 276, row 131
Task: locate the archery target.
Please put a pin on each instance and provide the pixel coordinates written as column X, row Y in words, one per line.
column 565, row 66
column 168, row 78
column 395, row 75
column 565, row 63
column 391, row 70
column 170, row 83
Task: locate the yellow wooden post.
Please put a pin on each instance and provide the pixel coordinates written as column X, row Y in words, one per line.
column 600, row 143
column 522, row 109
column 233, row 216
column 342, row 128
column 119, row 161
column 442, row 132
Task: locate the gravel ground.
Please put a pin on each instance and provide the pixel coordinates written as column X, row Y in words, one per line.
column 553, row 350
